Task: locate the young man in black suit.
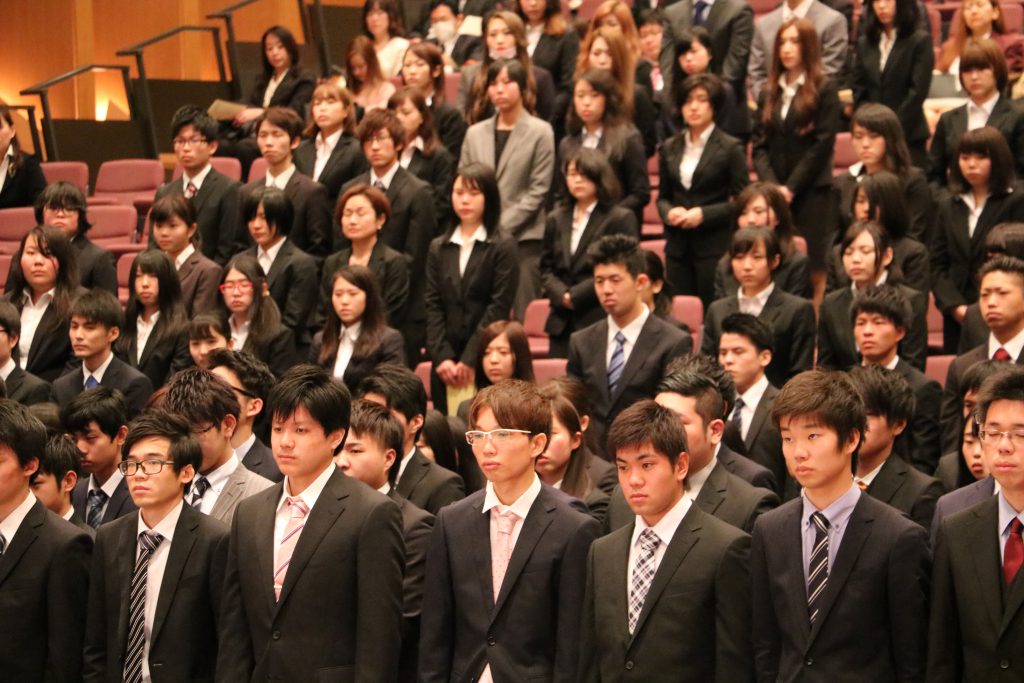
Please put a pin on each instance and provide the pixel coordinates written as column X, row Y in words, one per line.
column 60, row 468
column 880, row 318
column 1002, row 304
column 44, row 565
column 96, row 322
column 504, row 585
column 279, row 131
column 667, row 595
column 313, row 587
column 97, row 420
column 214, row 195
column 420, row 480
column 861, row 564
column 23, row 387
column 157, row 576
column 369, row 455
column 252, row 381
column 745, row 350
column 881, row 472
column 977, row 627
column 622, row 358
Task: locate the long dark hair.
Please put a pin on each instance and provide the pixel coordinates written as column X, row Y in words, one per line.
column 19, row 157
column 881, row 120
column 780, row 207
column 432, row 55
column 482, row 178
column 478, row 105
column 593, row 165
column 172, row 320
column 389, row 7
column 264, row 315
column 805, row 103
column 290, row 46
column 426, row 130
column 575, row 392
column 53, row 243
column 882, row 241
column 576, row 481
column 373, row 323
column 522, row 363
column 904, row 23
column 887, row 202
column 614, row 108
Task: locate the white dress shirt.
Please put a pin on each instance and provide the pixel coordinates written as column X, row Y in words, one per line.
column 870, row 476
column 405, row 463
column 386, row 178
column 692, row 152
column 978, row 114
column 239, row 333
column 218, row 479
column 109, row 486
column 632, row 333
column 466, row 245
column 580, row 219
column 695, row 482
column 267, row 256
column 665, row 529
column 143, row 330
column 347, row 339
column 68, row 514
column 755, row 304
column 185, row 255
column 281, row 180
column 885, row 43
column 155, row 573
column 275, row 81
column 1013, row 347
column 390, row 56
column 7, row 368
column 324, row 149
column 10, row 524
column 31, row 316
column 800, row 10
column 789, row 91
column 244, row 447
column 751, row 399
column 309, row 497
column 591, row 140
column 409, row 150
column 973, row 211
column 197, row 180
column 533, row 34
column 98, row 372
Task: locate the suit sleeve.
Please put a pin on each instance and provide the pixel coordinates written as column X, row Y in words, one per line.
column 945, row 658
column 834, row 41
column 319, row 237
column 67, row 594
column 947, row 294
column 380, row 557
column 801, row 353
column 452, row 489
column 924, row 428
column 826, row 356
column 302, row 295
column 916, row 268
column 422, row 226
column 395, row 288
column 392, row 349
column 636, row 186
column 733, row 659
column 417, row 544
column 437, row 626
column 137, row 393
column 924, row 507
column 571, row 583
column 860, row 73
column 667, row 184
column 438, row 347
column 207, row 294
column 761, row 151
column 766, row 640
column 589, row 668
column 235, row 661
column 909, row 574
column 922, row 60
column 719, row 214
column 506, row 280
column 768, row 501
column 758, row 66
column 104, row 274
column 95, row 645
column 230, row 220
column 217, row 570
column 710, row 333
column 522, row 212
column 937, row 174
column 554, row 286
column 734, row 68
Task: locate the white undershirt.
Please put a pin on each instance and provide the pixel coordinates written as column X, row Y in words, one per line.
column 155, row 573
column 31, row 316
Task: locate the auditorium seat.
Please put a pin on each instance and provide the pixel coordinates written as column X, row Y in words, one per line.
column 423, row 372
column 124, row 271
column 114, row 228
column 122, row 181
column 534, row 319
column 936, row 368
column 257, row 170
column 546, row 369
column 689, row 310
column 451, row 88
column 227, row 166
column 652, row 172
column 845, row 156
column 801, row 244
column 74, row 172
column 657, row 246
column 935, row 337
column 5, row 267
column 14, row 223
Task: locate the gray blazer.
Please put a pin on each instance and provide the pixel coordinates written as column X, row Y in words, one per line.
column 832, row 30
column 240, row 485
column 524, row 171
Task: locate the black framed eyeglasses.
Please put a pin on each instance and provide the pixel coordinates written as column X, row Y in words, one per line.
column 130, row 468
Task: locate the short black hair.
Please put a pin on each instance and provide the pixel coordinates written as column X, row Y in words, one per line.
column 203, row 325
column 830, row 397
column 201, row 397
column 622, row 250
column 105, row 406
column 198, row 118
column 745, row 239
column 311, row 387
column 66, row 196
column 253, row 374
column 60, row 457
column 650, row 16
column 277, row 208
column 886, row 393
column 645, row 422
column 751, row 328
column 21, row 432
column 161, row 424
column 10, row 319
column 701, row 388
column 375, row 421
column 711, row 84
column 101, row 307
column 885, row 300
column 1003, row 264
column 976, row 375
column 399, row 386
column 706, row 365
column 1002, row 386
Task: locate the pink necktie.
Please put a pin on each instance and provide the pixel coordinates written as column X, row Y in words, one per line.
column 292, row 531
column 190, row 190
column 501, row 550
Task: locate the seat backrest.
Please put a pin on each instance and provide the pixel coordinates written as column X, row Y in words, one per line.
column 114, row 223
column 689, row 310
column 14, row 224
column 74, row 172
column 423, row 372
column 5, row 267
column 657, row 246
column 451, row 88
column 124, row 272
column 536, row 317
column 800, row 243
column 845, row 156
column 545, row 369
column 129, row 175
column 936, row 368
column 935, row 25
column 258, row 170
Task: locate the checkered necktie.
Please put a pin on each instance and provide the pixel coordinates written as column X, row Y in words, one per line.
column 643, row 575
column 817, row 569
column 148, row 543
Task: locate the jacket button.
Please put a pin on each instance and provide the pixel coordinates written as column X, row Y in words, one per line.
column 809, row 661
column 1004, row 664
column 276, row 635
column 491, row 641
column 629, row 665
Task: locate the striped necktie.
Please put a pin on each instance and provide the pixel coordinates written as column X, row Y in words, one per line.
column 149, row 541
column 299, row 510
column 817, row 568
column 617, row 363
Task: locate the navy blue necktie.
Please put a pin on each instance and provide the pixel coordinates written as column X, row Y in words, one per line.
column 700, row 9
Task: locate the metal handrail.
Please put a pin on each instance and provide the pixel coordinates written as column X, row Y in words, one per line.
column 137, row 51
column 30, row 112
column 42, row 90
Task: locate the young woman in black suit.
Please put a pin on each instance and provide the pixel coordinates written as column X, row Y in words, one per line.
column 472, row 276
column 762, row 204
column 598, row 116
column 564, row 267
column 700, row 171
column 693, row 56
column 881, row 197
column 981, row 195
column 356, row 337
column 423, row 155
column 331, row 153
column 423, row 68
column 880, row 146
column 62, row 205
column 252, row 315
column 902, row 81
column 868, row 262
column 44, row 284
column 794, row 138
column 504, row 353
column 21, row 177
column 155, row 335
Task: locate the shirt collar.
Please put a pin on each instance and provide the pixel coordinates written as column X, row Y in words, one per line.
column 1013, row 347
column 141, row 322
column 1006, row 514
column 282, row 180
column 44, row 300
column 791, row 88
column 198, row 179
column 702, row 139
column 312, row 492
column 870, row 476
column 632, row 329
column 800, row 11
column 881, row 280
column 244, row 447
column 220, row 475
column 165, row 527
column 238, row 329
column 695, row 482
column 352, row 331
column 185, row 255
column 761, row 297
column 9, row 524
column 666, row 527
column 110, row 485
column 273, row 251
column 387, row 177
column 100, row 371
column 521, row 506
column 479, row 235
column 856, row 169
column 7, row 368
column 838, row 512
column 330, row 142
column 586, row 213
column 385, row 489
column 752, row 396
column 987, row 106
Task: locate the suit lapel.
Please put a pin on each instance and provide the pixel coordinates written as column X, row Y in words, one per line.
column 117, row 500
column 181, row 548
column 476, row 255
column 618, row 568
column 336, row 154
column 889, row 480
column 712, row 493
column 206, row 190
column 44, row 325
column 760, row 415
column 648, row 339
column 279, row 262
column 598, row 359
column 124, row 567
column 537, row 521
column 514, row 138
column 23, row 539
column 263, row 528
column 594, row 225
column 481, row 528
column 414, row 472
column 710, row 150
column 792, row 575
column 234, row 487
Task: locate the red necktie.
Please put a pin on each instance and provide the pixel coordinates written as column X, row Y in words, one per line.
column 1013, row 553
column 1001, row 354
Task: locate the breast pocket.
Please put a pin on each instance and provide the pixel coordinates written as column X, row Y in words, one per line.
column 336, row 674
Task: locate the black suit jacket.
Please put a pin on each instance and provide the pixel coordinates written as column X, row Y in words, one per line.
column 695, row 622
column 659, row 342
column 919, row 444
column 26, row 388
column 161, row 358
column 277, row 350
column 217, row 213
column 417, row 525
column 345, row 163
column 791, row 320
column 624, row 148
column 183, row 643
column 429, row 486
column 731, row 26
column 952, row 417
column 346, row 569
column 295, row 91
column 390, row 350
column 119, row 505
column 763, row 444
column 312, row 230
column 450, row 126
column 902, row 85
column 260, row 459
column 466, row 48
column 389, row 267
column 977, row 626
column 44, row 586
column 791, row 276
column 22, row 188
column 200, row 280
column 872, row 621
column 438, row 171
column 531, row 631
column 77, row 520
column 908, row 254
column 95, row 266
column 909, row 491
column 292, row 285
column 135, row 386
column 50, row 351
column 921, row 205
column 747, row 470
column 563, row 270
column 959, row 500
column 558, row 54
column 1006, row 117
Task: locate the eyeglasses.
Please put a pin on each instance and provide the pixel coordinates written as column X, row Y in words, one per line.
column 189, row 142
column 240, row 286
column 130, row 468
column 1016, row 436
column 381, row 137
column 496, row 436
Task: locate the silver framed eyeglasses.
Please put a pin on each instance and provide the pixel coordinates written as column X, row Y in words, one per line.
column 1016, row 436
column 497, row 436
